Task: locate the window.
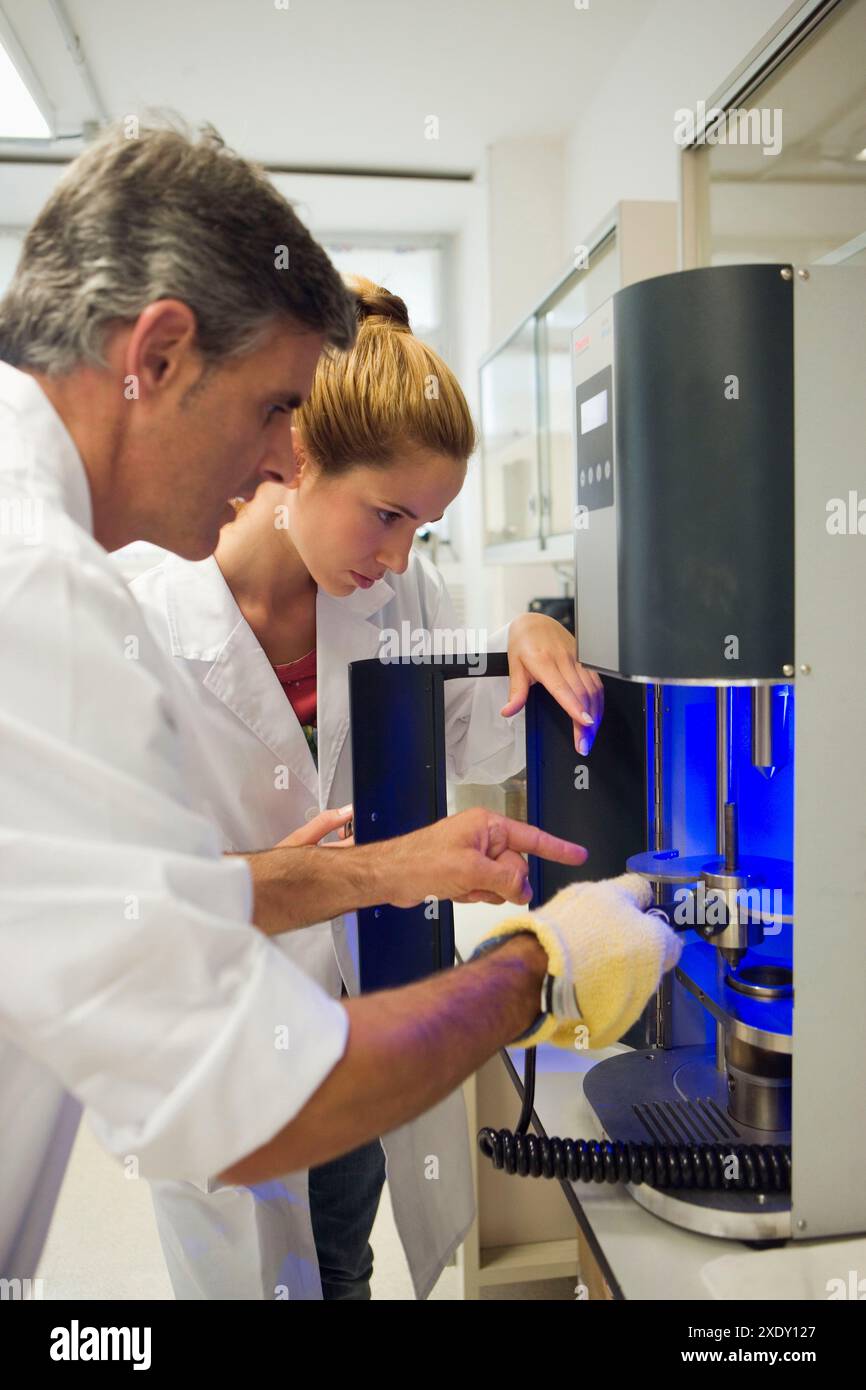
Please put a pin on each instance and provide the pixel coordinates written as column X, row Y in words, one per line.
column 412, row 271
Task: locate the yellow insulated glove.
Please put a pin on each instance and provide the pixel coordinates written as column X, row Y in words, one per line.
column 606, row 959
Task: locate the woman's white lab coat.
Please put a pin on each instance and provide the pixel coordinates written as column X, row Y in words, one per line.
column 233, row 1242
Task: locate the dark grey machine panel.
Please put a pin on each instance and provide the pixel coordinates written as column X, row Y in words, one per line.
column 704, row 480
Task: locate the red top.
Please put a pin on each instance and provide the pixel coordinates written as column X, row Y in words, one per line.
column 298, row 679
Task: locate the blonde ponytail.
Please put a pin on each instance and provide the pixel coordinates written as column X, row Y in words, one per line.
column 388, row 392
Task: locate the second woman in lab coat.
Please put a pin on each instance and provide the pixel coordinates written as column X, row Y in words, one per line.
column 305, row 581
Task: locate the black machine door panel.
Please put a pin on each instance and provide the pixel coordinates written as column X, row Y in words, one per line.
column 398, row 761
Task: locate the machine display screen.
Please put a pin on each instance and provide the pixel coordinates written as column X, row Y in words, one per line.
column 593, row 412
column 594, row 438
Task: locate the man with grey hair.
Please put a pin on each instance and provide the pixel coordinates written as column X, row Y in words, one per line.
column 165, row 318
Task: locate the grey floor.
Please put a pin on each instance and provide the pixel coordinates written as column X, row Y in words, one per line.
column 103, row 1243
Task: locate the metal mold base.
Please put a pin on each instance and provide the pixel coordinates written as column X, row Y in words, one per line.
column 755, row 873
column 759, row 1022
column 677, row 1096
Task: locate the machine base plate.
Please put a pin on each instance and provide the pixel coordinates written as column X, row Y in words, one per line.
column 677, row 1096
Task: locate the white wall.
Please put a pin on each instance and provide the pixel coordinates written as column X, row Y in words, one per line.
column 622, row 145
column 10, row 249
column 546, row 196
column 525, row 210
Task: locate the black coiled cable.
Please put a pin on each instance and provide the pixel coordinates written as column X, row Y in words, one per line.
column 758, row 1167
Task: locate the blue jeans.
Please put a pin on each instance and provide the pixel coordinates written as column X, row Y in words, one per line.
column 344, row 1199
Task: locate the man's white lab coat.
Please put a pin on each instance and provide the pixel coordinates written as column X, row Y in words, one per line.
column 132, row 982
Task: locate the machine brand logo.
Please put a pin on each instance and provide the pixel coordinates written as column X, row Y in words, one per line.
column 581, row 344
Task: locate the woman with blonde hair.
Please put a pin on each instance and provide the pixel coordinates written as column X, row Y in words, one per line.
column 306, row 579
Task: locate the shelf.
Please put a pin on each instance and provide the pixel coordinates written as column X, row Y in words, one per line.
column 515, row 1264
column 531, row 552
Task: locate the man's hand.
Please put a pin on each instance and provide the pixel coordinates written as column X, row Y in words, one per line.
column 325, row 823
column 473, row 857
column 607, row 954
column 541, row 649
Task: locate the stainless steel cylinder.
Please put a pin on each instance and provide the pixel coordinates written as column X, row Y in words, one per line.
column 763, row 752
column 759, row 1085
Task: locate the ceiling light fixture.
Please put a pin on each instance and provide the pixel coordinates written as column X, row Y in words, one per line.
column 25, row 112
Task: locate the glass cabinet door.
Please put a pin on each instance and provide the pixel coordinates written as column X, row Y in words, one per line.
column 807, row 201
column 580, row 295
column 509, row 440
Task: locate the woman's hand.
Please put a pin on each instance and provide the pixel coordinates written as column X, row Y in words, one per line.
column 541, row 649
column 321, row 825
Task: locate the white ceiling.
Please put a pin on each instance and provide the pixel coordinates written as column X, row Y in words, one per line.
column 342, row 84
